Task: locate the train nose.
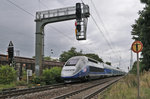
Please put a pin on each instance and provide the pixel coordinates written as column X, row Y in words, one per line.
column 68, row 71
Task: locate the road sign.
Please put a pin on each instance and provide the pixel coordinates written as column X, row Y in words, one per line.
column 29, row 72
column 137, row 46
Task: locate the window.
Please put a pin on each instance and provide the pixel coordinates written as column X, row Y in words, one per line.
column 96, row 69
column 72, row 62
column 91, row 60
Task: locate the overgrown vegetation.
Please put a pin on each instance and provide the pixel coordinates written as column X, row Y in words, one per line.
column 7, row 74
column 8, row 78
column 49, row 76
column 52, row 75
column 134, row 68
column 127, row 88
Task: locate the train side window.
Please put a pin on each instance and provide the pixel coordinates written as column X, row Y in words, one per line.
column 96, row 69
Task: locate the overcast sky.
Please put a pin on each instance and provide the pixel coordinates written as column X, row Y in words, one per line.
column 114, row 18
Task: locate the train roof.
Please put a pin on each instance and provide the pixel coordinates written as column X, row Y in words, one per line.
column 85, row 57
column 78, row 57
column 110, row 67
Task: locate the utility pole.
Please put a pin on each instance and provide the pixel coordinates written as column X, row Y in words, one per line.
column 131, row 60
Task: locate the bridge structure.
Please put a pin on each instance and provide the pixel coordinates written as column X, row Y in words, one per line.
column 24, row 63
column 57, row 15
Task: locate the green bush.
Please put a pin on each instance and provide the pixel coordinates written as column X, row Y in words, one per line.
column 52, row 75
column 21, row 83
column 7, row 74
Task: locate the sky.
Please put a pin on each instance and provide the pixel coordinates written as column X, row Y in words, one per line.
column 112, row 41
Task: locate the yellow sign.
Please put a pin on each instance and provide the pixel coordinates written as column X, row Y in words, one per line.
column 137, row 46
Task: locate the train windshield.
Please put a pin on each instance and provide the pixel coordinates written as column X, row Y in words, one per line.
column 72, row 62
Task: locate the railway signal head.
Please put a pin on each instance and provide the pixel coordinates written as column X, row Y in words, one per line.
column 10, row 50
column 78, row 11
column 82, row 12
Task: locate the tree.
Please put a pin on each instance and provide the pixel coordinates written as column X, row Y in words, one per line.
column 108, row 63
column 47, row 58
column 70, row 53
column 134, row 68
column 141, row 31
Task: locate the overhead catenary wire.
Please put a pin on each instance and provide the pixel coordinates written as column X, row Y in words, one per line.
column 24, row 10
column 98, row 27
column 102, row 33
column 107, row 41
column 102, row 22
column 100, row 30
column 20, row 8
column 60, row 31
column 33, row 16
column 16, row 5
column 97, row 13
column 44, row 5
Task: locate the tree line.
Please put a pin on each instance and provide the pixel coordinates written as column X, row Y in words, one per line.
column 72, row 52
column 141, row 32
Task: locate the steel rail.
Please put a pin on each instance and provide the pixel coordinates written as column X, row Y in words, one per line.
column 80, row 90
column 6, row 94
column 100, row 90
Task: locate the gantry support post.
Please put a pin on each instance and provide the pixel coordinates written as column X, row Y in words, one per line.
column 39, row 48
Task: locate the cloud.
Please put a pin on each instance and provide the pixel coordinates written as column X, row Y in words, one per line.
column 117, row 16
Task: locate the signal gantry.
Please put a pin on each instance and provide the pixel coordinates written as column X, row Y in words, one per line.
column 80, row 12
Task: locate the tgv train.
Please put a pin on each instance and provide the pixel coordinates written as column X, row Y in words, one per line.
column 84, row 68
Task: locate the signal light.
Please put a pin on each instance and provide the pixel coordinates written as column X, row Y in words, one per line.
column 76, row 31
column 75, row 23
column 78, row 27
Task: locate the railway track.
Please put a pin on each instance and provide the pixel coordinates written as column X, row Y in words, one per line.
column 89, row 92
column 11, row 93
column 84, row 90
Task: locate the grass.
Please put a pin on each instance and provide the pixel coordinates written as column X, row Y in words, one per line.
column 126, row 88
column 17, row 84
column 5, row 86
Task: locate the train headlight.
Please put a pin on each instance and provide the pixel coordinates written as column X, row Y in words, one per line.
column 84, row 70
